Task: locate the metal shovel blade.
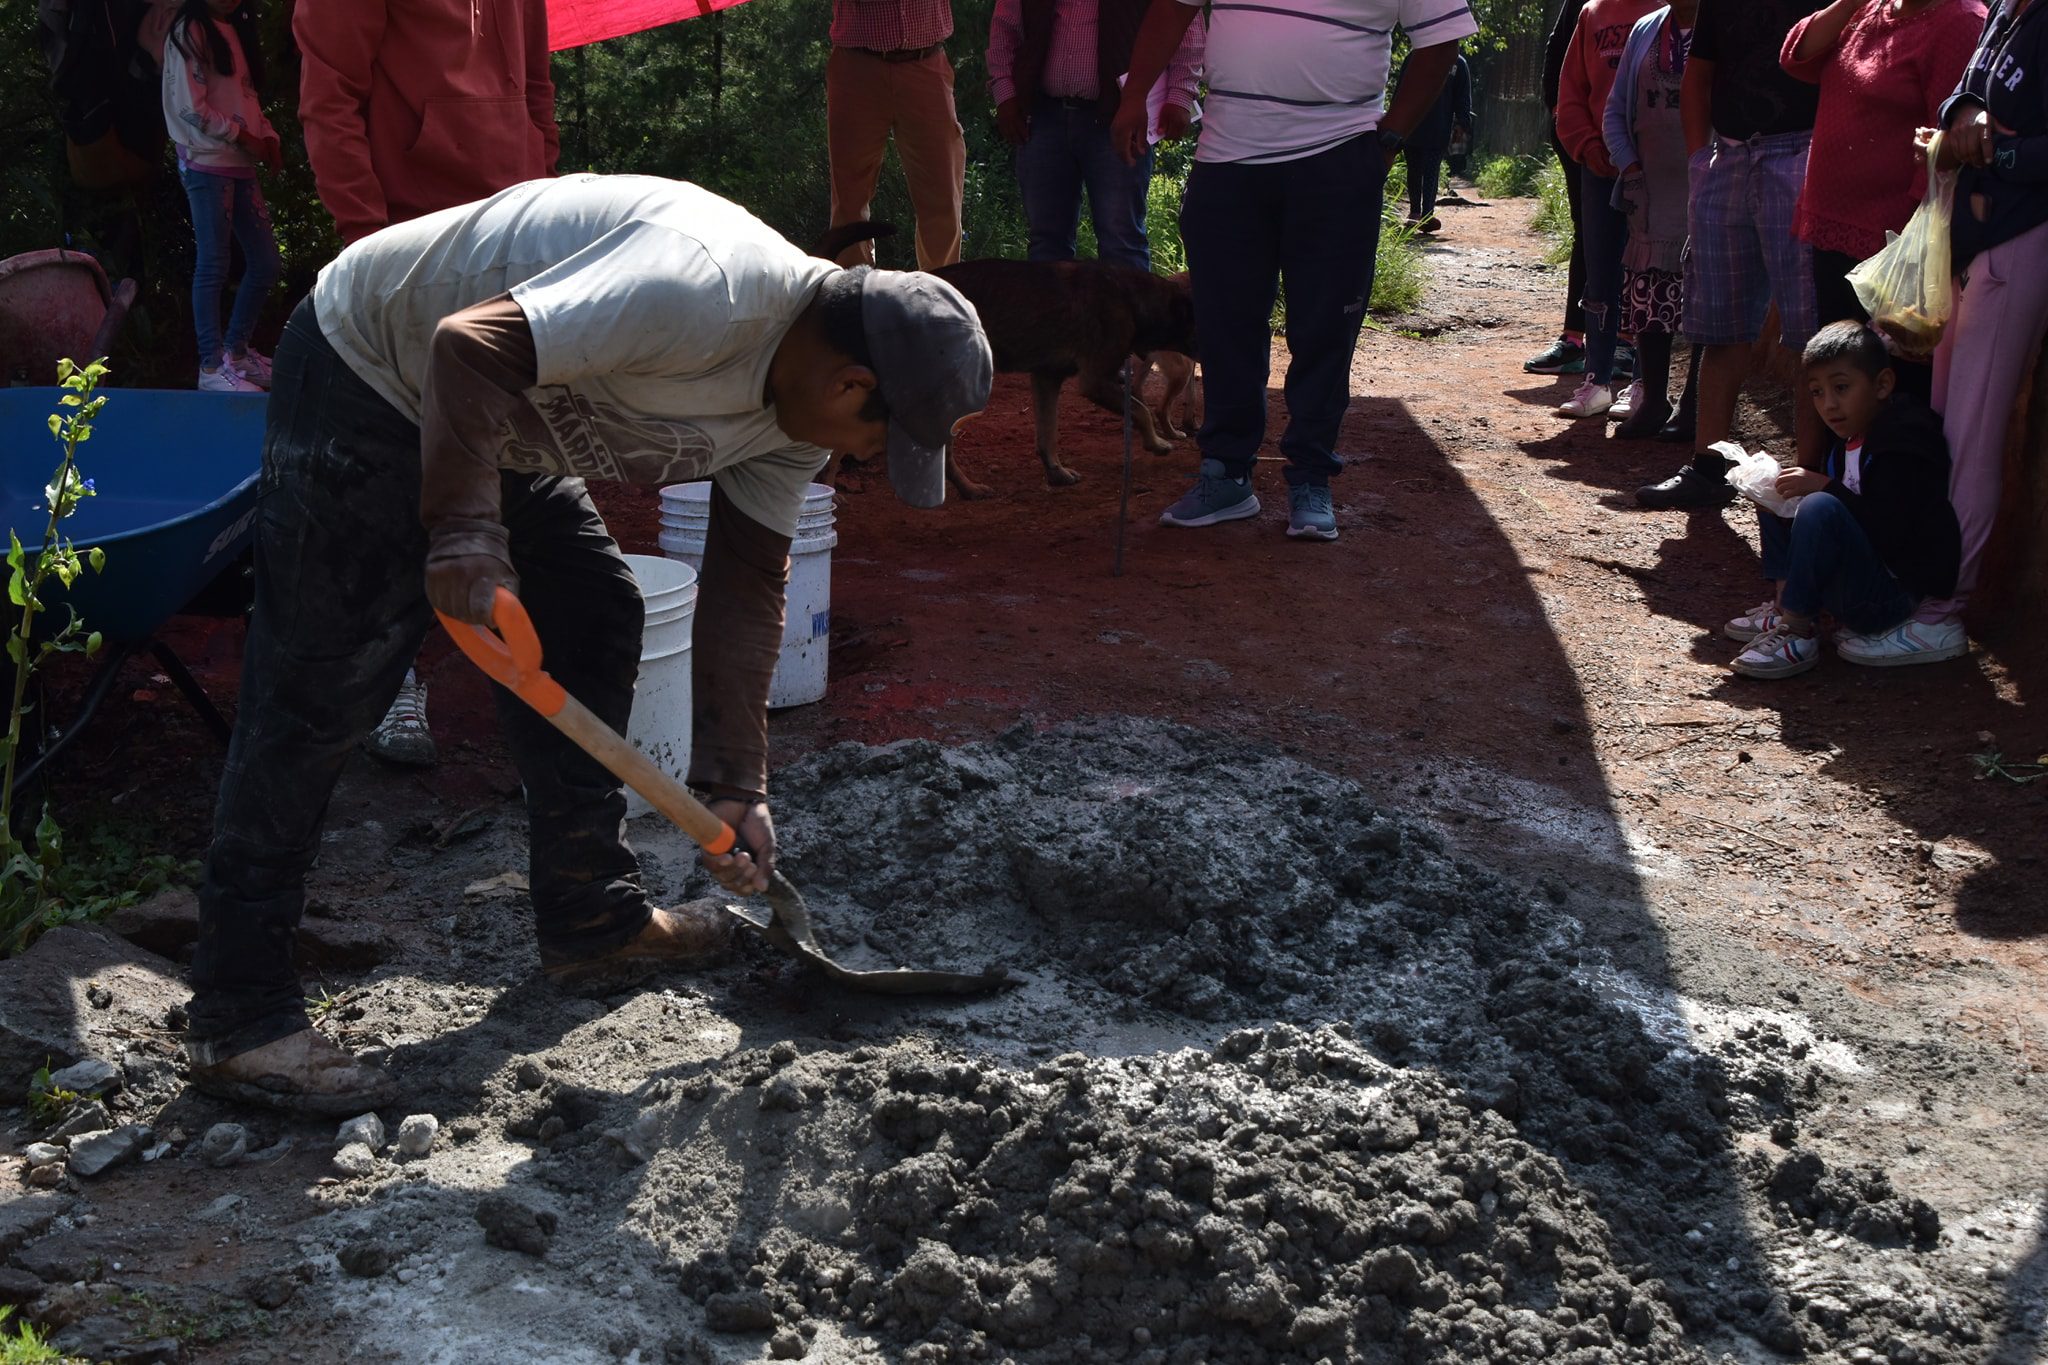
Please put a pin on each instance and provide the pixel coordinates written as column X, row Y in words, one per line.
column 789, row 928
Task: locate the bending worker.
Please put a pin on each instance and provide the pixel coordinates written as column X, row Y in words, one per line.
column 437, row 402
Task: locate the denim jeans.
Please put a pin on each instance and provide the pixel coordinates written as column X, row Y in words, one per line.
column 340, row 612
column 1425, row 178
column 1827, row 563
column 1068, row 150
column 1606, row 231
column 224, row 207
column 1313, row 223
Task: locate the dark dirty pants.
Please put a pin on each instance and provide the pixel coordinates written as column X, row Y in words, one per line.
column 1315, row 223
column 340, row 612
column 1575, row 272
column 1425, row 179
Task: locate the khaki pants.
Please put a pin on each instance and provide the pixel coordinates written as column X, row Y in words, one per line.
column 867, row 99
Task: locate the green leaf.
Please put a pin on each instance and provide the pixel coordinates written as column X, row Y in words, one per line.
column 92, row 643
column 71, row 400
column 64, row 369
column 17, row 588
column 15, row 650
column 56, row 426
column 98, row 558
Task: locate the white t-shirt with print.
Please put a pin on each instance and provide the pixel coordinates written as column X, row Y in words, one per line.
column 1290, row 78
column 655, row 305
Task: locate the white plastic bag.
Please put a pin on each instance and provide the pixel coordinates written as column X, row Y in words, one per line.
column 1906, row 287
column 1755, row 476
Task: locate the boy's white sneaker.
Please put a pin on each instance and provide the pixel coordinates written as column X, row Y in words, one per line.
column 226, row 379
column 1909, row 642
column 1778, row 653
column 1764, row 616
column 1625, row 406
column 1589, row 400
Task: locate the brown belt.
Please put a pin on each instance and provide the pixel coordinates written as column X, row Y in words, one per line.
column 901, row 54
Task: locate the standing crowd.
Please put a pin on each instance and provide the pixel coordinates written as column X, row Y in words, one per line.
column 1730, row 164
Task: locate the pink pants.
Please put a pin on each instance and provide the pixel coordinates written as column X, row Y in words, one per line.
column 1983, row 363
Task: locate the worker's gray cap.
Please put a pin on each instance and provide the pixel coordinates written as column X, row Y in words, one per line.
column 933, row 368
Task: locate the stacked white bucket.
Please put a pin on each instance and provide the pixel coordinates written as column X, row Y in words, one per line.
column 807, row 624
column 660, row 727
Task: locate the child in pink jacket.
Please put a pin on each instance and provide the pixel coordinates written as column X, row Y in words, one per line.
column 215, row 117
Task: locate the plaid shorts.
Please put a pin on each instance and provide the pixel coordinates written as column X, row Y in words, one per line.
column 1742, row 254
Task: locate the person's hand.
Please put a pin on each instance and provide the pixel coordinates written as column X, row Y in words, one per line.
column 468, row 560
column 1173, row 122
column 1011, row 125
column 265, row 150
column 1633, row 204
column 1128, row 131
column 1967, row 141
column 744, row 874
column 1793, row 483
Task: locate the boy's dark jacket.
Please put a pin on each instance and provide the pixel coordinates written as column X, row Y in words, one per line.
column 1904, row 506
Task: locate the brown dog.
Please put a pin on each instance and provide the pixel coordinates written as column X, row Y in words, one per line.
column 1177, row 385
column 1057, row 319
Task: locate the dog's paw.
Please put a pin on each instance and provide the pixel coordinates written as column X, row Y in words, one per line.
column 1059, row 476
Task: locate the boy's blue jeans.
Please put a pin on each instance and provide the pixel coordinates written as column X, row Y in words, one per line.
column 228, row 207
column 1827, row 563
column 1068, row 149
column 1314, row 223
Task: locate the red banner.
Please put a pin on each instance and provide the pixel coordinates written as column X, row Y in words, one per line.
column 572, row 23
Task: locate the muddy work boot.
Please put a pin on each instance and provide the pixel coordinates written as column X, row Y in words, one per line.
column 693, row 935
column 302, row 1073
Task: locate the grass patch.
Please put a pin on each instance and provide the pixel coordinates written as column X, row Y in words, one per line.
column 1553, row 212
column 108, row 868
column 23, row 1345
column 1511, row 177
column 1400, row 275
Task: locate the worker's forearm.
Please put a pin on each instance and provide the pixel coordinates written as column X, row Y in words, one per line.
column 1422, row 80
column 479, row 366
column 740, row 606
column 1159, row 37
column 1824, row 29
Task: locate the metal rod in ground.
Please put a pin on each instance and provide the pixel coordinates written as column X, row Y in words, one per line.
column 1123, row 506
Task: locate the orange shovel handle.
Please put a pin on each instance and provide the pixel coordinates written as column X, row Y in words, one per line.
column 510, row 657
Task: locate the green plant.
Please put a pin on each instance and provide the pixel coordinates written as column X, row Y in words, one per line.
column 47, row 1104
column 26, row 870
column 1400, row 274
column 1992, row 763
column 1554, row 211
column 23, row 1345
column 1509, row 177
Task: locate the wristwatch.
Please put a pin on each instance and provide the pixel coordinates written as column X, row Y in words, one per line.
column 1391, row 141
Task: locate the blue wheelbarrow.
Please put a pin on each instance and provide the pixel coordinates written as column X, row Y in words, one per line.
column 175, row 507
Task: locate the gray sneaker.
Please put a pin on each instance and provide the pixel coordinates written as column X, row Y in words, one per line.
column 1311, row 515
column 403, row 738
column 1214, row 498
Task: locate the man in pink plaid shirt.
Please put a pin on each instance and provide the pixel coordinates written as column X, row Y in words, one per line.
column 888, row 73
column 1056, row 69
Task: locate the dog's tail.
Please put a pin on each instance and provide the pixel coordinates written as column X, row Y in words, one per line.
column 836, row 240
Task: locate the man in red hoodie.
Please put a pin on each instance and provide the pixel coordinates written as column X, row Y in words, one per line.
column 413, row 108
column 1583, row 86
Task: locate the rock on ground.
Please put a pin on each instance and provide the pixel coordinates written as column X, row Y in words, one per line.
column 46, row 1017
column 514, row 1226
column 96, row 1153
column 417, row 1133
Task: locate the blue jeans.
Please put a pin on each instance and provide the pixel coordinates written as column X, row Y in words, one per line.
column 225, row 206
column 1315, row 223
column 1069, row 150
column 1606, row 231
column 1826, row 562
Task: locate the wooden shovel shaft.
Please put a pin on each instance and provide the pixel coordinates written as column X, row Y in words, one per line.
column 637, row 771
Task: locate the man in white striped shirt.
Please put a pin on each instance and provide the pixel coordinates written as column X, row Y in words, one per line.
column 1288, row 182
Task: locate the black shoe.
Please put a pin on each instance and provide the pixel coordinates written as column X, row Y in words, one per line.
column 1563, row 356
column 1644, row 423
column 1691, row 486
column 1679, row 430
column 1624, row 362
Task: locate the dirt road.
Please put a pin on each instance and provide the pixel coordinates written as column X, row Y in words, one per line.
column 1435, row 954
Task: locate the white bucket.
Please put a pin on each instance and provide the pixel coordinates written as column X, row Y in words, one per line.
column 807, row 623
column 660, row 727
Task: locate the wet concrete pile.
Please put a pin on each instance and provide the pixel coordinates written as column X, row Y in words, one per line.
column 1288, row 1197
column 1289, row 1082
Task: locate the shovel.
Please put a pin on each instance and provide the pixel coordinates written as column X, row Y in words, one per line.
column 511, row 658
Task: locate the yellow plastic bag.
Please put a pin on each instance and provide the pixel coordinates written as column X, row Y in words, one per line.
column 1906, row 287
